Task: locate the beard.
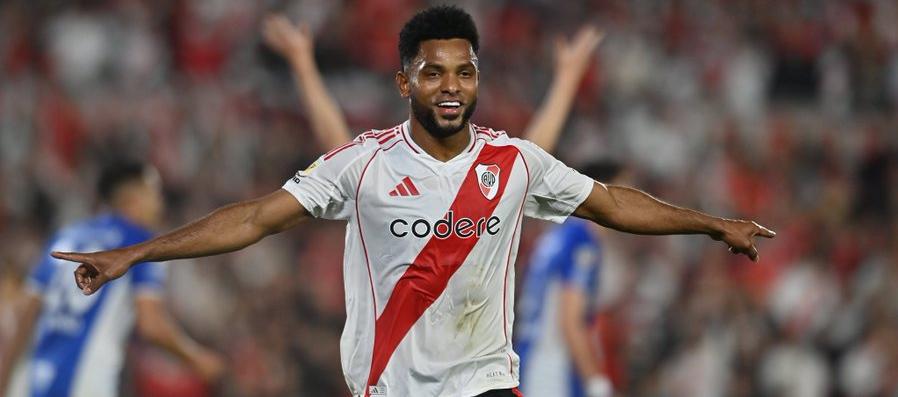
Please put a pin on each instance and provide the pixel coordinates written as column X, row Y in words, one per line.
column 428, row 118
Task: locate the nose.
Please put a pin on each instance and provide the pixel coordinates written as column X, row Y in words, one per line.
column 450, row 84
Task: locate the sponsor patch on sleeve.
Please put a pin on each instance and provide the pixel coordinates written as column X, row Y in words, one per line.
column 306, row 172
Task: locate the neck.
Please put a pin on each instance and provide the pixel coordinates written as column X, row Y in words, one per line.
column 133, row 215
column 442, row 149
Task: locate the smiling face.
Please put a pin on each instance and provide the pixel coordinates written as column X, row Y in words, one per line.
column 441, row 83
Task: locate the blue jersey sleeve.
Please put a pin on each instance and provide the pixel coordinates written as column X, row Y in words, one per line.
column 148, row 277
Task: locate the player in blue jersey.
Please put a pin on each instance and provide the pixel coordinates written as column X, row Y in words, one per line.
column 78, row 342
column 559, row 357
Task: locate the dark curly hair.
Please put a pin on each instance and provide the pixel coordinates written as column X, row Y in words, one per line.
column 440, row 22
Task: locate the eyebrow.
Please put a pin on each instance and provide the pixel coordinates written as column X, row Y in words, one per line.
column 443, row 67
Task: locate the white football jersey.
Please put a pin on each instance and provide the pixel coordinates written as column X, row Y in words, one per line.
column 430, row 250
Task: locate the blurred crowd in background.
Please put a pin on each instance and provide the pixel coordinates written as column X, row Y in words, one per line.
column 781, row 111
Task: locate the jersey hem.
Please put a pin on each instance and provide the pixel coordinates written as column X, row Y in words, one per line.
column 475, row 391
column 498, row 386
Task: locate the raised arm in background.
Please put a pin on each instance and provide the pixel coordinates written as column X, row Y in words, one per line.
column 226, row 229
column 571, row 60
column 296, row 45
column 633, row 211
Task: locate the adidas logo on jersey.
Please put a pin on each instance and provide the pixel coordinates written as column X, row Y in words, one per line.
column 405, row 188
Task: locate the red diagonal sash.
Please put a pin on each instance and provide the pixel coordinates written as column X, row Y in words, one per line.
column 426, row 278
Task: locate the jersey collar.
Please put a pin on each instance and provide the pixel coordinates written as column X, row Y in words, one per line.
column 406, row 134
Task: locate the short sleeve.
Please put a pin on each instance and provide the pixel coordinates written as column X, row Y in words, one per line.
column 149, row 278
column 556, row 190
column 327, row 187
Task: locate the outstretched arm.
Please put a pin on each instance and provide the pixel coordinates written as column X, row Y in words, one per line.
column 20, row 338
column 226, row 229
column 571, row 61
column 296, row 45
column 633, row 211
column 155, row 325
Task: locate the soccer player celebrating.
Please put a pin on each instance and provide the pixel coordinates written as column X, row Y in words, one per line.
column 433, row 207
column 79, row 346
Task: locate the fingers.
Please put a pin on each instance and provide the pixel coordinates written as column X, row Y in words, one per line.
column 93, row 284
column 277, row 23
column 751, row 252
column 268, row 32
column 286, row 38
column 764, row 232
column 275, row 30
column 588, row 38
column 741, row 235
column 82, row 275
column 89, row 279
column 70, row 256
column 596, row 40
column 585, row 33
column 584, row 42
column 279, row 27
column 86, row 278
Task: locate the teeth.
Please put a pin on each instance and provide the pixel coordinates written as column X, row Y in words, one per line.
column 450, row 104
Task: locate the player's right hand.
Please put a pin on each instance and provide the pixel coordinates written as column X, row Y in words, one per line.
column 739, row 235
column 96, row 268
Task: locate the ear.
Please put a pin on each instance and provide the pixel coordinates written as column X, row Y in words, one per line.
column 403, row 84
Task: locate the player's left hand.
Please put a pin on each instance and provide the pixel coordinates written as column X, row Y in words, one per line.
column 739, row 236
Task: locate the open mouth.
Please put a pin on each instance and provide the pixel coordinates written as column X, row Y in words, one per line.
column 449, row 108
